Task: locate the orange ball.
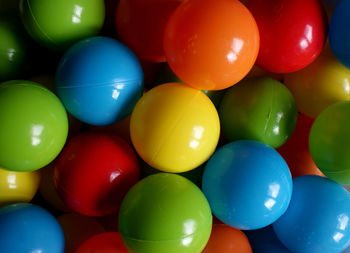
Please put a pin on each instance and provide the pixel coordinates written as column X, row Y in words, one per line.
column 211, row 44
column 226, row 239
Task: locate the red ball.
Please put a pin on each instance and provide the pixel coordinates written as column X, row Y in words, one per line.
column 103, row 243
column 292, row 33
column 94, row 172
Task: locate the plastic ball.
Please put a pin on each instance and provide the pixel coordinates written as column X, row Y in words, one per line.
column 260, row 109
column 18, row 186
column 33, row 126
column 94, row 172
column 317, row 219
column 141, row 24
column 228, row 179
column 292, row 33
column 174, row 128
column 225, row 239
column 296, row 150
column 103, row 243
column 77, row 229
column 211, row 44
column 58, row 24
column 324, row 82
column 338, row 36
column 329, row 142
column 29, row 228
column 165, row 213
column 99, row 81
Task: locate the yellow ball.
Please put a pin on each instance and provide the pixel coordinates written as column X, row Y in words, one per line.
column 174, row 128
column 324, row 82
column 18, row 186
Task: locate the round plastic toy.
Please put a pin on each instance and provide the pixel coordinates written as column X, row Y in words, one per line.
column 317, row 219
column 141, row 24
column 338, row 36
column 77, row 229
column 94, row 172
column 174, row 128
column 103, row 243
column 29, row 228
column 212, row 44
column 260, row 109
column 165, row 213
column 320, row 84
column 292, row 33
column 296, row 150
column 329, row 142
column 225, row 239
column 18, row 186
column 99, row 81
column 33, row 126
column 58, row 24
column 248, row 184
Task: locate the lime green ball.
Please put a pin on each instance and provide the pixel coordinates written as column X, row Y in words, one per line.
column 260, row 109
column 58, row 24
column 329, row 142
column 165, row 213
column 33, row 126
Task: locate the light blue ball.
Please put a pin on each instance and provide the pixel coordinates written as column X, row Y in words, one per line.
column 99, row 80
column 318, row 217
column 248, row 184
column 29, row 228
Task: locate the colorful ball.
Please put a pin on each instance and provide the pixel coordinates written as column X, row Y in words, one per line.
column 58, row 24
column 18, row 186
column 248, row 184
column 29, row 228
column 33, row 126
column 174, row 128
column 338, row 34
column 317, row 219
column 212, row 44
column 260, row 109
column 141, row 24
column 225, row 239
column 165, row 213
column 94, row 172
column 103, row 243
column 322, row 83
column 292, row 33
column 99, row 81
column 329, row 142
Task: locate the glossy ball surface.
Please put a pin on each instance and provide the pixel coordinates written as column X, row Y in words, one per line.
column 94, row 172
column 33, row 126
column 305, row 228
column 211, row 44
column 292, row 33
column 165, row 213
column 99, row 81
column 103, row 243
column 58, row 24
column 174, row 128
column 329, row 142
column 260, row 109
column 37, row 229
column 227, row 183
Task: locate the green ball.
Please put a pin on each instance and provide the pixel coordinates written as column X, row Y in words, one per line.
column 329, row 142
column 165, row 213
column 33, row 126
column 260, row 109
column 58, row 24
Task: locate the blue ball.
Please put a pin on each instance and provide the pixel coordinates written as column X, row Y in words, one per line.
column 339, row 34
column 317, row 219
column 29, row 228
column 248, row 184
column 99, row 80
